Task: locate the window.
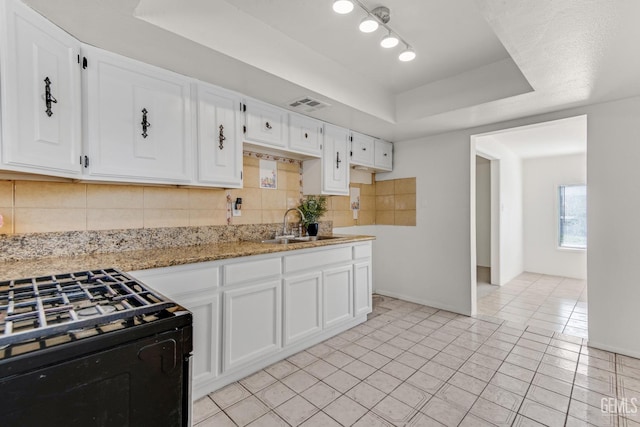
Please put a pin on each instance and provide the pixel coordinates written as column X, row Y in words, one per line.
column 573, row 216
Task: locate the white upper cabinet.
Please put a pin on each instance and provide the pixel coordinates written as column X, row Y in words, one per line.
column 330, row 174
column 138, row 121
column 305, row 135
column 362, row 149
column 219, row 137
column 266, row 124
column 383, row 155
column 40, row 92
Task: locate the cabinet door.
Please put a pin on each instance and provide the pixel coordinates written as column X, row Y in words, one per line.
column 252, row 323
column 40, row 90
column 362, row 149
column 337, row 295
column 335, row 160
column 383, row 155
column 362, row 284
column 305, row 135
column 206, row 336
column 219, row 141
column 302, row 307
column 138, row 120
column 266, row 124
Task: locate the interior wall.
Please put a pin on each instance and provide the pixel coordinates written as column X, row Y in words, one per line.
column 510, row 230
column 541, row 178
column 483, row 212
column 431, row 263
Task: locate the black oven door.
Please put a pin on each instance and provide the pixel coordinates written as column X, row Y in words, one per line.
column 141, row 383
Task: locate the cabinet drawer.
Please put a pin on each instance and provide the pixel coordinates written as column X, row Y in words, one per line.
column 181, row 279
column 362, row 251
column 252, row 270
column 316, row 259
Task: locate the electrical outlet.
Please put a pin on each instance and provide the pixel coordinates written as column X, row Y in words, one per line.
column 237, row 212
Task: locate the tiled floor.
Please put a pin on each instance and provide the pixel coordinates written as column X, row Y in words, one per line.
column 412, row 365
column 550, row 302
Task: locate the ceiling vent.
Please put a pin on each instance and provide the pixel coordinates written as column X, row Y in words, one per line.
column 306, row 104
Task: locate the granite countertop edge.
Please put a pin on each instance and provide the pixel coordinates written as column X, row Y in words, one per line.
column 156, row 258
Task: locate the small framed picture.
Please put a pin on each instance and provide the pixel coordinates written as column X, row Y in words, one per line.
column 268, row 174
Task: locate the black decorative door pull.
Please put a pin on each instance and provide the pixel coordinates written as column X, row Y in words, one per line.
column 145, row 123
column 267, row 125
column 221, row 137
column 48, row 98
column 338, row 161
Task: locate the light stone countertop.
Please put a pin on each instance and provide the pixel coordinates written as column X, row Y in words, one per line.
column 154, row 258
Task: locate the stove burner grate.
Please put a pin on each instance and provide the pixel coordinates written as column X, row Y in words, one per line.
column 51, row 305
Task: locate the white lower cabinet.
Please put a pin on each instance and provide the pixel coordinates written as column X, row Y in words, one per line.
column 362, row 283
column 337, row 295
column 252, row 323
column 250, row 312
column 302, row 306
column 206, row 336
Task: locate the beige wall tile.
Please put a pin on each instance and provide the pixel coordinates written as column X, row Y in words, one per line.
column 385, row 203
column 368, row 189
column 155, row 218
column 343, row 219
column 328, row 216
column 293, row 199
column 385, row 217
column 366, row 218
column 249, row 216
column 251, row 197
column 276, row 216
column 340, row 203
column 7, row 219
column 405, row 201
column 50, row 195
column 405, row 186
column 114, row 219
column 6, row 193
column 368, row 203
column 166, row 198
column 114, row 196
column 251, row 177
column 250, row 161
column 384, row 188
column 293, row 181
column 274, row 199
column 405, row 217
column 200, row 217
column 204, row 198
column 39, row 220
column 291, row 167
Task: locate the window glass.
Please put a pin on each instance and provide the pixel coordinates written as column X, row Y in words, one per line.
column 573, row 216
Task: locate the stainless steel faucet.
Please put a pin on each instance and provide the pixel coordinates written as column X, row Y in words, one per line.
column 284, row 223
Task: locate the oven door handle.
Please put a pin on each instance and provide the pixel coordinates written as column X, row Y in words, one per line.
column 163, row 353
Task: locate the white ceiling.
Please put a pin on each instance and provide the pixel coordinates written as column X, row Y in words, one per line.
column 479, row 61
column 556, row 138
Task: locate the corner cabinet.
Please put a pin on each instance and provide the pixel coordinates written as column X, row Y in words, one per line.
column 138, row 121
column 383, row 158
column 40, row 94
column 251, row 312
column 330, row 174
column 219, row 144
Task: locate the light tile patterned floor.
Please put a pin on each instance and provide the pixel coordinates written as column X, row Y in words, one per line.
column 412, row 365
column 550, row 302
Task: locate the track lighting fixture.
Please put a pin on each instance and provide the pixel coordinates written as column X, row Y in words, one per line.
column 378, row 17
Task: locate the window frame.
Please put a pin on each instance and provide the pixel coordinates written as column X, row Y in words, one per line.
column 558, row 215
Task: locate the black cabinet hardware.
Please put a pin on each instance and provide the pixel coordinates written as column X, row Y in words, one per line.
column 221, row 137
column 145, row 123
column 48, row 98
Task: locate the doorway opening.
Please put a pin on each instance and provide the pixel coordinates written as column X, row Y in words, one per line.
column 529, row 206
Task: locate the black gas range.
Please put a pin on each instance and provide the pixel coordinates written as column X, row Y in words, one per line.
column 92, row 348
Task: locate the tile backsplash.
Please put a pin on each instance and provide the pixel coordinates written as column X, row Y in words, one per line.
column 36, row 207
